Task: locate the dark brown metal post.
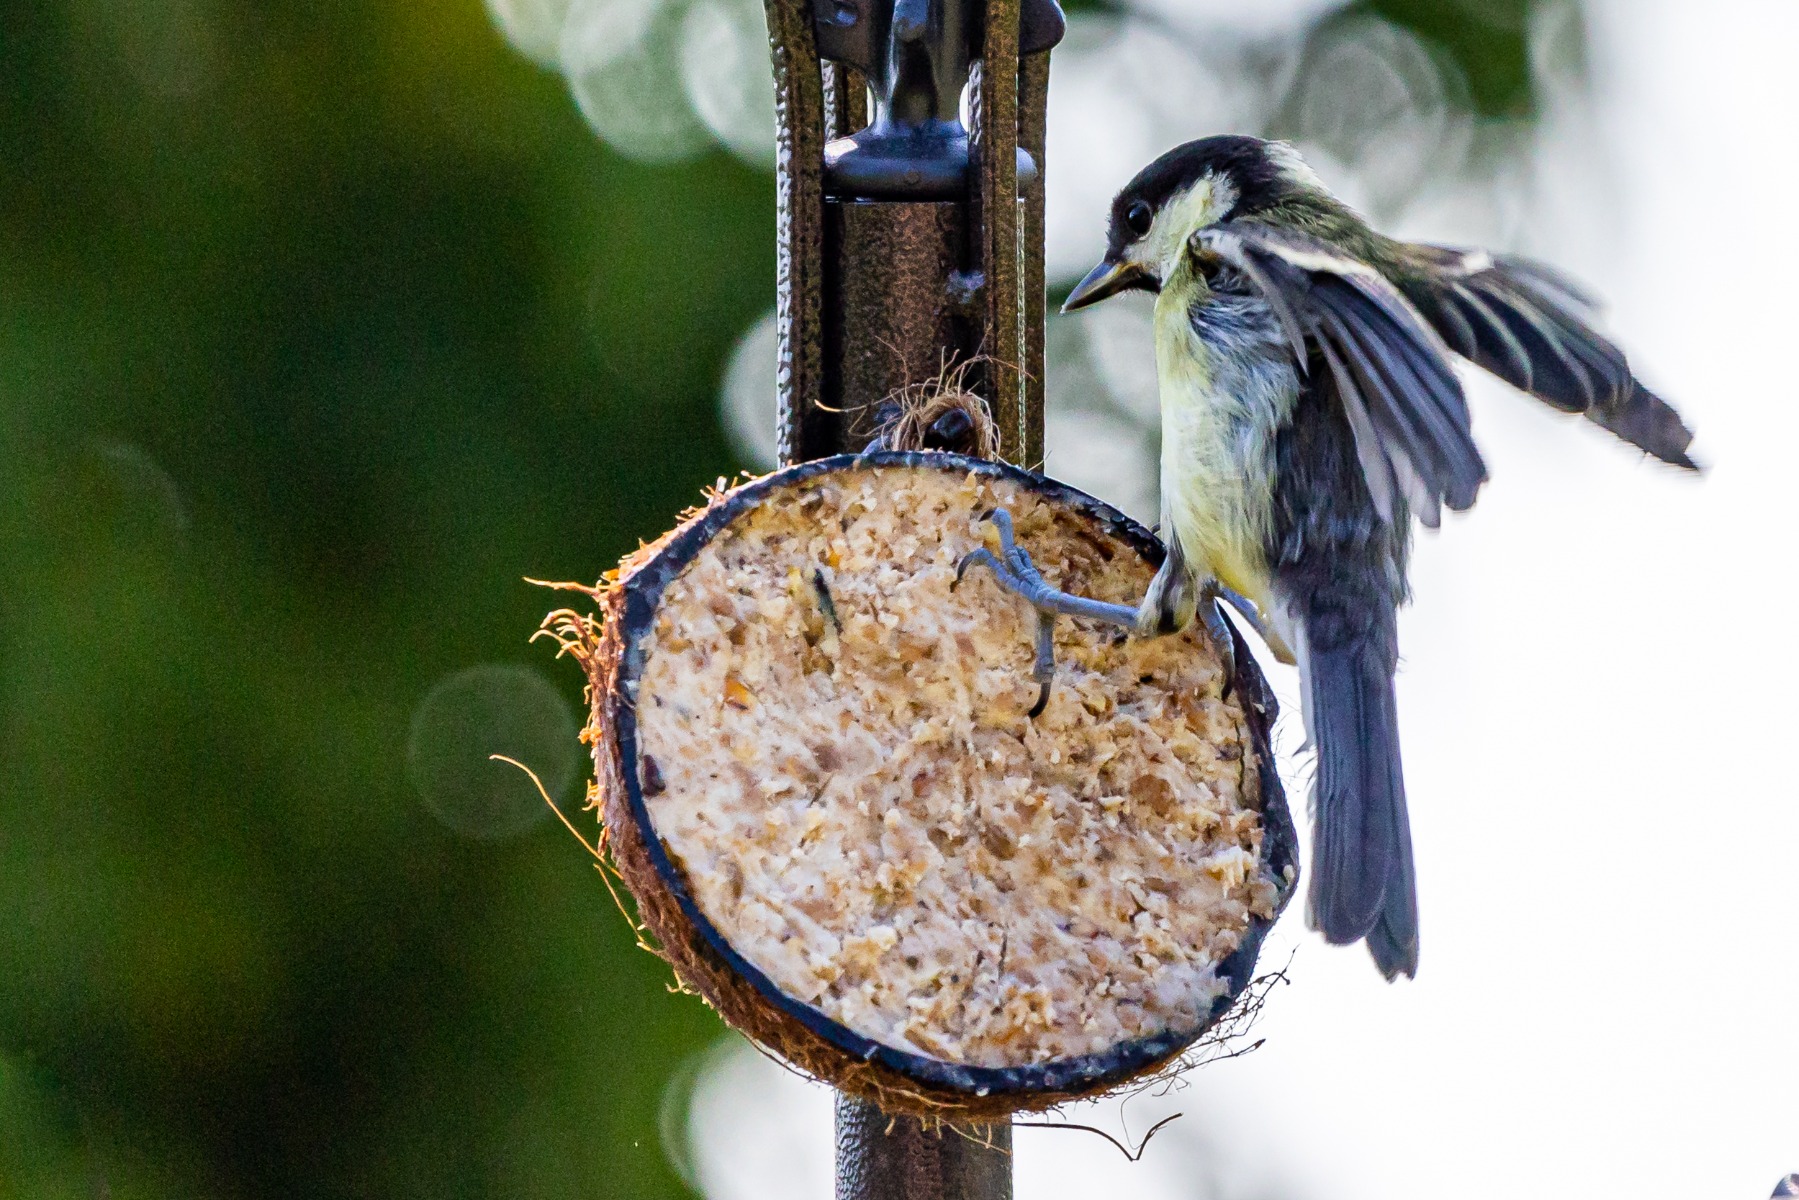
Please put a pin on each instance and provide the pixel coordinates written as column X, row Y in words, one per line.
column 799, row 227
column 892, row 317
column 996, row 136
column 846, row 100
column 1033, row 126
column 905, row 247
column 897, row 1158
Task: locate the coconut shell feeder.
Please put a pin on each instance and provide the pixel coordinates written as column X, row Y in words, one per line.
column 820, row 781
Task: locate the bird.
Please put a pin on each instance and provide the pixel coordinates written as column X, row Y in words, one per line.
column 1786, row 1187
column 1311, row 413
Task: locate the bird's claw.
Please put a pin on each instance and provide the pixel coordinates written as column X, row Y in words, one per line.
column 1043, row 666
column 1218, row 630
column 1012, row 564
column 1013, row 569
column 1253, row 617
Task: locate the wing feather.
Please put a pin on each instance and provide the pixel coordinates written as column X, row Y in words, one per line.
column 1383, row 483
column 1395, row 392
column 1389, row 370
column 1561, row 289
column 1427, row 376
column 1563, row 379
column 1496, row 347
column 1451, row 325
column 1278, row 284
column 1418, row 405
column 1535, row 328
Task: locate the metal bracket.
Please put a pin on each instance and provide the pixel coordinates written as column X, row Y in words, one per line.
column 906, row 238
column 855, row 31
column 916, row 56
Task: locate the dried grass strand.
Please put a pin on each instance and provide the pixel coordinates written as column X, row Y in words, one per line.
column 921, row 405
column 1129, row 1154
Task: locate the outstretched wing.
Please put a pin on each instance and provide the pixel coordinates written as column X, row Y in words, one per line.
column 1533, row 327
column 1388, row 369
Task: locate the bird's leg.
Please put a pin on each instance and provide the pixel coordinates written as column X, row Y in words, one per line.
column 1017, row 574
column 1218, row 629
column 1177, row 594
column 1252, row 615
column 1166, row 609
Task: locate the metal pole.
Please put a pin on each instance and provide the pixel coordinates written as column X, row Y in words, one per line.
column 897, row 1158
column 996, row 165
column 799, row 231
column 1033, row 128
column 896, row 261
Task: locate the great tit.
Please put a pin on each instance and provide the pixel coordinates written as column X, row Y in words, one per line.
column 1310, row 411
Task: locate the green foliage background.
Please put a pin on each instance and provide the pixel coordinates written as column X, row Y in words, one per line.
column 321, row 325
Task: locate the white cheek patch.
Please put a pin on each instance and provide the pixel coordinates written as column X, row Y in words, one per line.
column 1294, row 167
column 1203, row 203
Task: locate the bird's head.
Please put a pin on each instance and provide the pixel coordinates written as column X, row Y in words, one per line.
column 1191, row 187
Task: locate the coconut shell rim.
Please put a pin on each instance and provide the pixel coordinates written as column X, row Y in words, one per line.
column 643, row 589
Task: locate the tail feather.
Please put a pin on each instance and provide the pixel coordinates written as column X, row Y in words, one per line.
column 1362, row 881
column 1394, row 939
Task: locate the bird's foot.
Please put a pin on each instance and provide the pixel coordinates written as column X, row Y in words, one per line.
column 1252, row 616
column 1218, row 630
column 1013, row 568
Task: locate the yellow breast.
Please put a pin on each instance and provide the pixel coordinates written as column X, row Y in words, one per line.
column 1223, row 400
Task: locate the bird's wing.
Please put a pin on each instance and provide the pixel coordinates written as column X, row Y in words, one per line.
column 1533, row 327
column 1387, row 369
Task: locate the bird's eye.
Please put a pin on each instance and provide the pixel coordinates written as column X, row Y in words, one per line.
column 1139, row 217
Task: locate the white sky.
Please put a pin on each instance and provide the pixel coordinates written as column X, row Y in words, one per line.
column 1598, row 711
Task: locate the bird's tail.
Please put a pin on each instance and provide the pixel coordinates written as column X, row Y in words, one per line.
column 1362, row 882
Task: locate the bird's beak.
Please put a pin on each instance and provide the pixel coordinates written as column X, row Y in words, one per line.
column 1108, row 279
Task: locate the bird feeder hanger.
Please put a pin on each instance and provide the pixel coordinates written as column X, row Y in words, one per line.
column 909, row 241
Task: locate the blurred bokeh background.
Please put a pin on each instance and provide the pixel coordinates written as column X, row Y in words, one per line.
column 324, row 324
